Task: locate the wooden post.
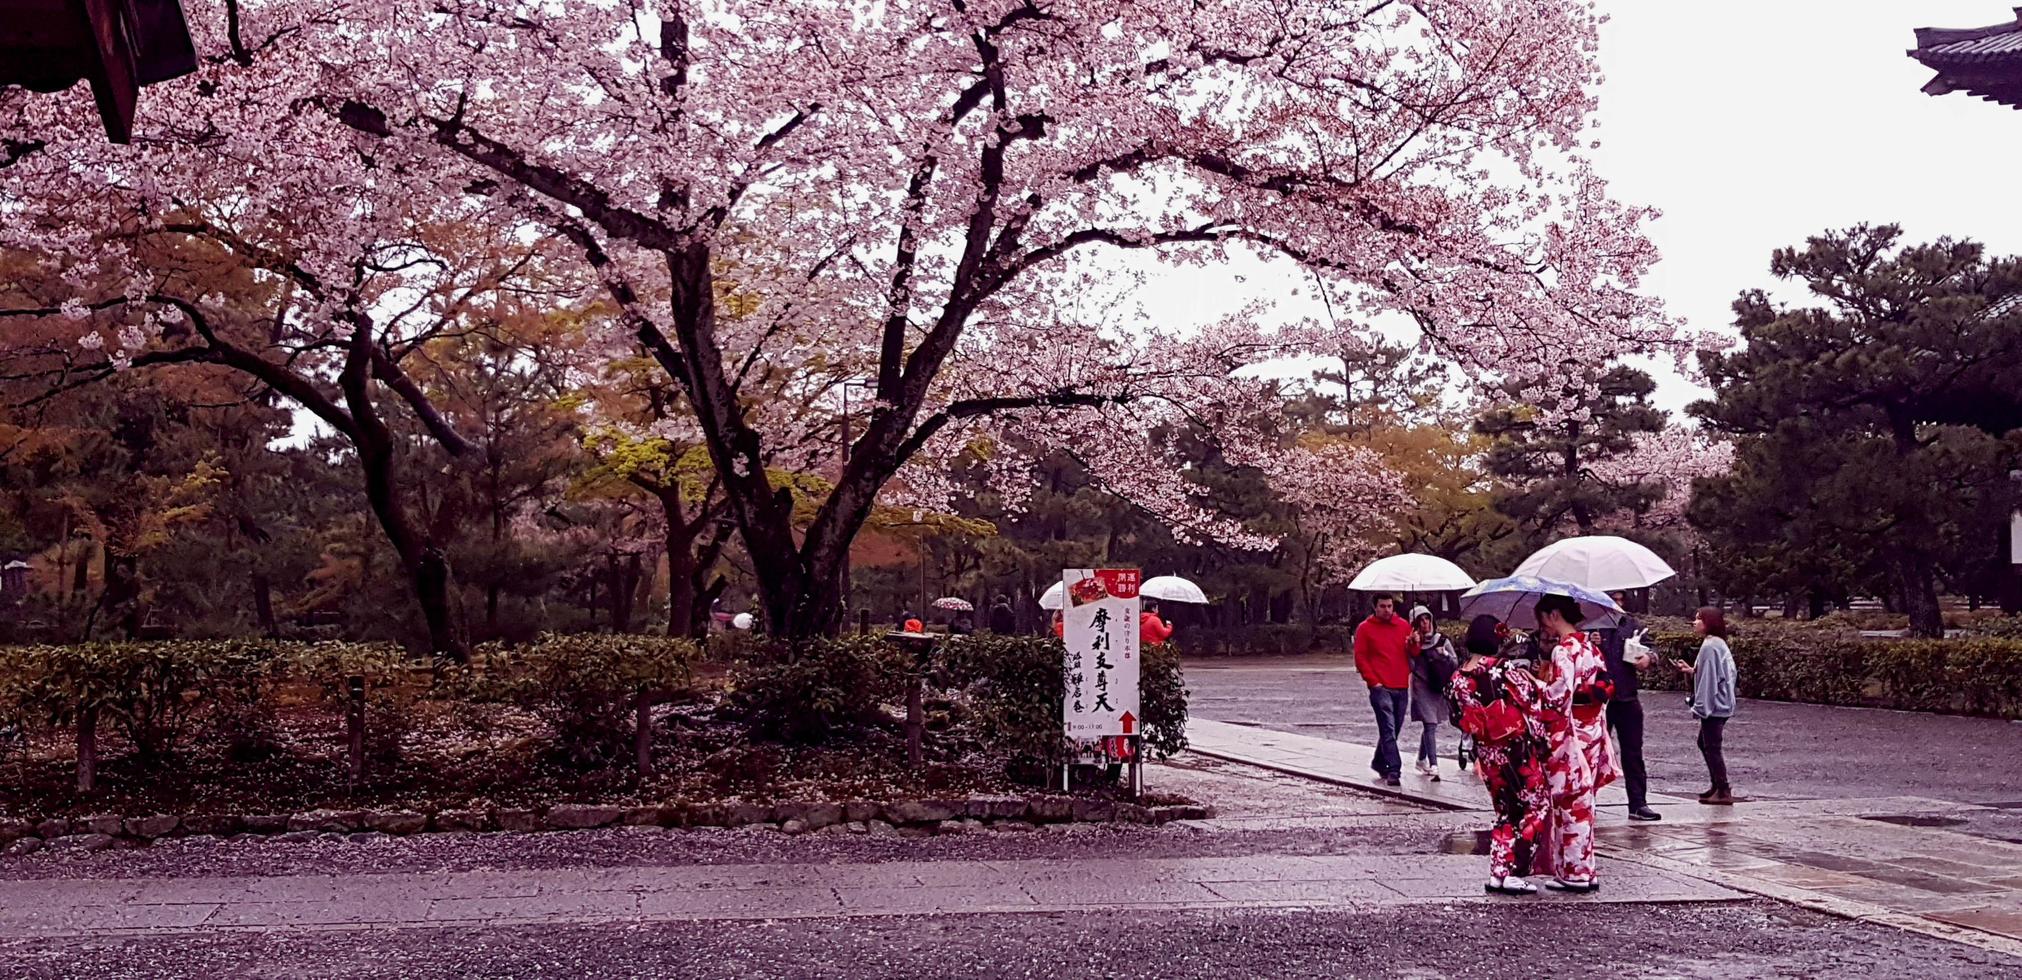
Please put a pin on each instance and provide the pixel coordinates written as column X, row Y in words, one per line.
column 916, row 722
column 87, row 748
column 863, row 622
column 355, row 727
column 642, row 735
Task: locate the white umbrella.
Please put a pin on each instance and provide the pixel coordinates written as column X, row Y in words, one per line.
column 1055, row 597
column 1172, row 588
column 1601, row 562
column 1411, row 573
column 954, row 604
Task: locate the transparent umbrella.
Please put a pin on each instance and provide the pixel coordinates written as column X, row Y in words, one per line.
column 1600, row 562
column 1172, row 588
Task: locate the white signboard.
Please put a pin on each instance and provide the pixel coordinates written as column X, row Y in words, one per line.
column 2015, row 539
column 1100, row 608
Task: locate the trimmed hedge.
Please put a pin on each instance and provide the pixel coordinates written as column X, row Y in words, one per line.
column 587, row 688
column 1018, row 683
column 1837, row 666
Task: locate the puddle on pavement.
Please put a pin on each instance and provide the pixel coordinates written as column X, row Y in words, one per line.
column 1471, row 842
column 1917, row 820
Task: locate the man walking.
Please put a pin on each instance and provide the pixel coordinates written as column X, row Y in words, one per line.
column 1381, row 659
column 1625, row 712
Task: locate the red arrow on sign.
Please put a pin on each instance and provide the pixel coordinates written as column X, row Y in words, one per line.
column 1129, row 722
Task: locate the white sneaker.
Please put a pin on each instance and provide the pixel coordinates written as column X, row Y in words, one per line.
column 1427, row 769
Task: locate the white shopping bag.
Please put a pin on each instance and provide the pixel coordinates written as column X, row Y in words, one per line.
column 1635, row 650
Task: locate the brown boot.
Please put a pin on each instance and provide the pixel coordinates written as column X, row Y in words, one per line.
column 1722, row 796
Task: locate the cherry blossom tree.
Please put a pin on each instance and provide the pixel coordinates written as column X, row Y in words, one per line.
column 1671, row 459
column 911, row 195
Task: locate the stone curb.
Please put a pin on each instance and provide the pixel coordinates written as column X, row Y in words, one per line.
column 912, row 816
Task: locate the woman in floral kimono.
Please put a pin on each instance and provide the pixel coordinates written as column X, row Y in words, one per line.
column 1575, row 701
column 1496, row 701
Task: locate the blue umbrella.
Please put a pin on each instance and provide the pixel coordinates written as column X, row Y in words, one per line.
column 1511, row 600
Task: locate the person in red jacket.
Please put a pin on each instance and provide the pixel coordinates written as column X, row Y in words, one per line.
column 1152, row 630
column 1381, row 659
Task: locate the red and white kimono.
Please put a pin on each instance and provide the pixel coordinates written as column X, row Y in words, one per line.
column 1575, row 713
column 1511, row 761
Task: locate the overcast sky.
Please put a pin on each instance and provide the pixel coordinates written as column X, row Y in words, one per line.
column 1754, row 123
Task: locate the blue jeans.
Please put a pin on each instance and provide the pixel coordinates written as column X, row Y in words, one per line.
column 1390, row 705
column 1428, row 744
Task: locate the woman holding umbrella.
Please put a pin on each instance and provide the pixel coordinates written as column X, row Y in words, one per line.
column 1576, row 692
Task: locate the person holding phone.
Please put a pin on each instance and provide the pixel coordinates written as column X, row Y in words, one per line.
column 1713, row 680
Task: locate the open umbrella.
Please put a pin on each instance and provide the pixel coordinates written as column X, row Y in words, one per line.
column 1055, row 597
column 1411, row 573
column 1172, row 588
column 1600, row 562
column 1510, row 600
column 954, row 604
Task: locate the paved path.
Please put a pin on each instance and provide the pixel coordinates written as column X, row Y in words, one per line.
column 1347, row 764
column 665, row 894
column 1775, row 750
column 1893, row 859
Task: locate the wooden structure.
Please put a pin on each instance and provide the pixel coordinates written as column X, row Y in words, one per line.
column 116, row 45
column 1980, row 61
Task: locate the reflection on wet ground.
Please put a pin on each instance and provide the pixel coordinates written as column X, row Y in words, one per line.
column 1900, row 854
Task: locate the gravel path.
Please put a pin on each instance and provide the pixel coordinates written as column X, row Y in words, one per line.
column 1753, row 939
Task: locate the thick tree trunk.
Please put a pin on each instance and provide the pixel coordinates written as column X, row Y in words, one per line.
column 426, row 565
column 1920, row 596
column 432, row 589
column 119, row 601
column 263, row 605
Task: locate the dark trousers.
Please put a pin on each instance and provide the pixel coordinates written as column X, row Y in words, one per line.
column 1390, row 705
column 1626, row 718
column 1711, row 732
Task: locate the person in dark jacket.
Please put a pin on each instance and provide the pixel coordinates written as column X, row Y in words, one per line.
column 1003, row 621
column 1625, row 712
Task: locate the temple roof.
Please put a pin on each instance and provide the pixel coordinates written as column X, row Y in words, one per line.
column 1981, row 61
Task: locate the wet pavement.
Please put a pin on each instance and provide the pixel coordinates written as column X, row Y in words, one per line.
column 1903, row 859
column 1291, row 877
column 1774, row 750
column 1646, row 942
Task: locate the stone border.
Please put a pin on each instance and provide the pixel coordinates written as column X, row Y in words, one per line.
column 912, row 817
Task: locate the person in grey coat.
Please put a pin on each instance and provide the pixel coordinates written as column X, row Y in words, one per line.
column 1433, row 661
column 1713, row 679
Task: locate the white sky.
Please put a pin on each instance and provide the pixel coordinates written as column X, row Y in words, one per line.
column 1753, row 123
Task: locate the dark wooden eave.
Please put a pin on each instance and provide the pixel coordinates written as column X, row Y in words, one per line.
column 115, row 45
column 1980, row 61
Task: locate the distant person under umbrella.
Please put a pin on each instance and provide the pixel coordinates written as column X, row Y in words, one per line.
column 1003, row 621
column 1433, row 662
column 1151, row 629
column 1380, row 659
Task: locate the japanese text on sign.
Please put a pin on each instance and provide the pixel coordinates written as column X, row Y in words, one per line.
column 1101, row 608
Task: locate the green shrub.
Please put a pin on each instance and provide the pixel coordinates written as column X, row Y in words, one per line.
column 149, row 692
column 586, row 686
column 1018, row 682
column 1830, row 663
column 811, row 691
